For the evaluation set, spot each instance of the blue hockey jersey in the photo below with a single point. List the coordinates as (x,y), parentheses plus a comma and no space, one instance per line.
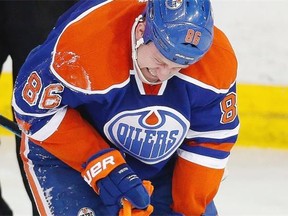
(78,93)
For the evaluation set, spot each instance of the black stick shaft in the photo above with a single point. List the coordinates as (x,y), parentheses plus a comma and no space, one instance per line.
(10,125)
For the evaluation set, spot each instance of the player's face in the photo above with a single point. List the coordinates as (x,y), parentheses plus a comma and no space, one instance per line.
(154,66)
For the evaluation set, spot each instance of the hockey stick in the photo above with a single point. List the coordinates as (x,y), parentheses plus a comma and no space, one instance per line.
(10,125)
(127,208)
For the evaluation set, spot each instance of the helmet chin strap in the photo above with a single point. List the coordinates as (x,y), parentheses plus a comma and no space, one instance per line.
(135,45)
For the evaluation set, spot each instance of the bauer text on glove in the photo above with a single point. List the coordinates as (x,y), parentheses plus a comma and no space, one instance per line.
(112,179)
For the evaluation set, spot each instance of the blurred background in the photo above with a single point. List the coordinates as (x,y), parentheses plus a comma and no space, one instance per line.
(258,168)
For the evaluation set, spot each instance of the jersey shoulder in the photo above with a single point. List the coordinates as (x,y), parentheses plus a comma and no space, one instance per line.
(93,52)
(218,67)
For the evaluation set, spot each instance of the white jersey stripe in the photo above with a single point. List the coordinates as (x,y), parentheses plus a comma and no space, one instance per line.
(141,87)
(219,134)
(38,115)
(203,160)
(50,127)
(203,85)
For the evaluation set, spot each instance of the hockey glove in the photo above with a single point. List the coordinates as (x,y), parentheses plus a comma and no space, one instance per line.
(112,179)
(129,210)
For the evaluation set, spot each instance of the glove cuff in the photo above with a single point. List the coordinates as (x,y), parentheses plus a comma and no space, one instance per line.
(101,166)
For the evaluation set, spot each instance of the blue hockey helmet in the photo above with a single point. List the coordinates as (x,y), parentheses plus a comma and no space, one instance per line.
(182,30)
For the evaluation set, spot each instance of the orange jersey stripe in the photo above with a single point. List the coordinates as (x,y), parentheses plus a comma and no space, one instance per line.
(194,187)
(75,141)
(30,177)
(151,89)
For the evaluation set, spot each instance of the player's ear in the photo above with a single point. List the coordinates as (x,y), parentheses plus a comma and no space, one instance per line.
(139,31)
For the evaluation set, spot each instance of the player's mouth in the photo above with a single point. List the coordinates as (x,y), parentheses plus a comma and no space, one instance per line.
(150,75)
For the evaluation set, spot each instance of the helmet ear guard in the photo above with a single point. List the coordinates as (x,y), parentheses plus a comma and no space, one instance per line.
(182,30)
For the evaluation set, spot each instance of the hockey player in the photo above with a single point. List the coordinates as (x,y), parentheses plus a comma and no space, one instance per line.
(109,102)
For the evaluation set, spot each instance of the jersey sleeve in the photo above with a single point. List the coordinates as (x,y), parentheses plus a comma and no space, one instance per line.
(69,70)
(46,112)
(46,108)
(203,156)
(214,127)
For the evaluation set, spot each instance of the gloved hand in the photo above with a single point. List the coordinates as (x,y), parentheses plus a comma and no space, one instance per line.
(112,179)
(129,210)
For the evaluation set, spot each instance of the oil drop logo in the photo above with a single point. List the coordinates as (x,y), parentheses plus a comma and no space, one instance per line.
(151,134)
